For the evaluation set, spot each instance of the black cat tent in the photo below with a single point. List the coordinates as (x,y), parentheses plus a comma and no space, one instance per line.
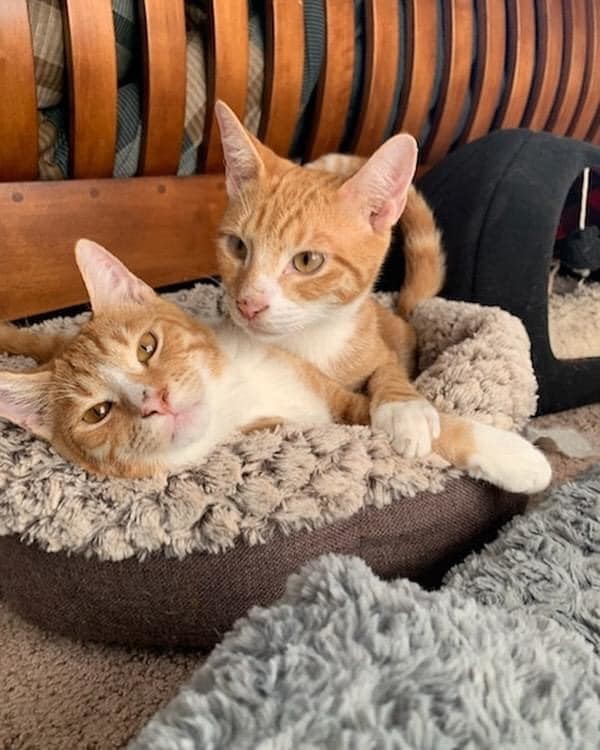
(499,201)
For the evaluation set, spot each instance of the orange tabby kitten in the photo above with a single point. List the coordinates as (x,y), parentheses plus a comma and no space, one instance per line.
(299,252)
(145,388)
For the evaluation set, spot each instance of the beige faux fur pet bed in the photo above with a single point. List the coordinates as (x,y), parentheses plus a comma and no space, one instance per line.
(176,560)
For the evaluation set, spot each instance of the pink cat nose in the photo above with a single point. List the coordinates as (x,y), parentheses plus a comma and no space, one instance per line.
(250,307)
(156,402)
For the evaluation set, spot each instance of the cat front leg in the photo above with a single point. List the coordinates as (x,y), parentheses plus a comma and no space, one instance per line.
(344,405)
(398,409)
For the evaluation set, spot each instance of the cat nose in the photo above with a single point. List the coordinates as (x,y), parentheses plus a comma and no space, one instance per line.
(250,307)
(156,403)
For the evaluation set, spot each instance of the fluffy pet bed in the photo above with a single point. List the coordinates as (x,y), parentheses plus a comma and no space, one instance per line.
(505,655)
(177,560)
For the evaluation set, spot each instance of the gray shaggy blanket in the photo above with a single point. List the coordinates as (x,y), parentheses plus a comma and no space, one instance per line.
(504,656)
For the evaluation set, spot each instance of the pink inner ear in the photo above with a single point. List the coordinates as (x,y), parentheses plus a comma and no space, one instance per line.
(242,161)
(108,281)
(21,400)
(380,187)
(389,213)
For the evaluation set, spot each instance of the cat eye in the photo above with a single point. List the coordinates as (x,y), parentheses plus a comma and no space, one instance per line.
(146,347)
(237,247)
(308,261)
(97,413)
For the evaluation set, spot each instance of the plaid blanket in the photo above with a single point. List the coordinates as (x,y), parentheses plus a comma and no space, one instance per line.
(48,46)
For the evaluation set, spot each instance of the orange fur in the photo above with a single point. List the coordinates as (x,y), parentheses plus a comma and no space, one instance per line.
(423,255)
(423,250)
(299,252)
(159,407)
(278,209)
(39,346)
(279,215)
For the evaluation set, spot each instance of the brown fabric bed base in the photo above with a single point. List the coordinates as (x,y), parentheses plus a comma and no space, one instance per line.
(193,601)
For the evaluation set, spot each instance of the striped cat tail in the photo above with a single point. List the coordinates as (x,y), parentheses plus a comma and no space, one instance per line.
(423,253)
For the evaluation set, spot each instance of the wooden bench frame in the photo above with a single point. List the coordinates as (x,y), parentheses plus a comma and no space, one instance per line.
(162,226)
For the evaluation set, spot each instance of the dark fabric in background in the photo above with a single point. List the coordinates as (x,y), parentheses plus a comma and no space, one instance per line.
(498,202)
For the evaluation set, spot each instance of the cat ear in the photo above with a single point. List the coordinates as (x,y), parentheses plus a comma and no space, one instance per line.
(108,282)
(24,400)
(246,158)
(380,187)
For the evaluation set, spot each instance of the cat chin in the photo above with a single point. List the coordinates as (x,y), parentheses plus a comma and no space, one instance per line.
(270,331)
(190,426)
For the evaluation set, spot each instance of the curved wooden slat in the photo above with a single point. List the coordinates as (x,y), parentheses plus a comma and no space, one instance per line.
(550,24)
(421,56)
(382,52)
(573,67)
(491,52)
(92,72)
(284,69)
(521,45)
(335,85)
(18,115)
(226,73)
(459,27)
(164,40)
(590,92)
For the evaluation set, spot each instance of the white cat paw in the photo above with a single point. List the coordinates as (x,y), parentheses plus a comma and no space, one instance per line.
(508,461)
(412,425)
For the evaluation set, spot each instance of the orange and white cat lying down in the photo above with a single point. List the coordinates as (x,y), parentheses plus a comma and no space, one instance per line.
(144,388)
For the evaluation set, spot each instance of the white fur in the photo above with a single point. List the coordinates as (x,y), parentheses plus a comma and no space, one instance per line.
(317,332)
(323,342)
(412,425)
(120,383)
(254,385)
(508,461)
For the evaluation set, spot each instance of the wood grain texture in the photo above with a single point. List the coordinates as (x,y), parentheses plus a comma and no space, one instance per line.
(161,227)
(459,25)
(335,84)
(164,61)
(421,57)
(226,73)
(573,66)
(489,74)
(284,70)
(590,91)
(550,39)
(382,52)
(92,73)
(18,115)
(520,63)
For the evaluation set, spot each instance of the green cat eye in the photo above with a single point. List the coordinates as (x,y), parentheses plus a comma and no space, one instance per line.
(146,347)
(308,261)
(237,247)
(98,412)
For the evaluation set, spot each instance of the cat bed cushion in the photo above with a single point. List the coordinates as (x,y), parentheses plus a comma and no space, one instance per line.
(498,201)
(174,561)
